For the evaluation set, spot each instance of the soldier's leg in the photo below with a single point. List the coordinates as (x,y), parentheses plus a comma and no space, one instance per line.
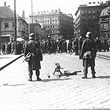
(30,75)
(37,74)
(85,70)
(93,71)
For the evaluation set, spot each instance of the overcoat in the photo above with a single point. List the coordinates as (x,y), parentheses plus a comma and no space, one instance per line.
(33,47)
(88,45)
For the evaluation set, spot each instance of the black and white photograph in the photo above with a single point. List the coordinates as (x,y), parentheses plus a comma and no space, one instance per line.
(54,54)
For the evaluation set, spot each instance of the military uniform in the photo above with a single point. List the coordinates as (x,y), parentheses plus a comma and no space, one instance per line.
(88,54)
(32,46)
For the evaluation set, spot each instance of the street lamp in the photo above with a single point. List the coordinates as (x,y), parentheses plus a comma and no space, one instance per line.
(15,20)
(32,10)
(15,30)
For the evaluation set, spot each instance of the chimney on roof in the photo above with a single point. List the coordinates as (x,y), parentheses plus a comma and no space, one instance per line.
(59,10)
(23,14)
(5,3)
(90,3)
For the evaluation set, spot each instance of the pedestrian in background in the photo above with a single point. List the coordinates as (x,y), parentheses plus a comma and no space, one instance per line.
(98,44)
(75,45)
(33,47)
(88,54)
(69,46)
(81,39)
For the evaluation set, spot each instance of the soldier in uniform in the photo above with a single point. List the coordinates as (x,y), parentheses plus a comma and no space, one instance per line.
(33,47)
(88,54)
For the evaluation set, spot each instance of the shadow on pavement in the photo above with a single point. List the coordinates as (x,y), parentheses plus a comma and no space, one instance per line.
(56,79)
(5,57)
(13,84)
(103,77)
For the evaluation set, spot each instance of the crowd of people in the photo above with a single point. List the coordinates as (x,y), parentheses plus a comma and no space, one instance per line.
(12,48)
(73,45)
(48,46)
(53,46)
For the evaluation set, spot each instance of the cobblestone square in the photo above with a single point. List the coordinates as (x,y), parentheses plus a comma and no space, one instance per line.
(70,92)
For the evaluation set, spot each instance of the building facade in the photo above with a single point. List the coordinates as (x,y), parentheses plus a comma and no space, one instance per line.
(105,24)
(7,25)
(56,23)
(40,33)
(88,18)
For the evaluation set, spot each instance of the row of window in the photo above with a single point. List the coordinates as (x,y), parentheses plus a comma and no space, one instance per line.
(104,19)
(92,11)
(47,18)
(90,17)
(52,27)
(55,31)
(8,25)
(51,22)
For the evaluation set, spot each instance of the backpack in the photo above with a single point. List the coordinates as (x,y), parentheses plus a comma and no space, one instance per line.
(37,51)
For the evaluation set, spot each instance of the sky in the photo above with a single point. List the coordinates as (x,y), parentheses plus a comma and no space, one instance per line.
(66,6)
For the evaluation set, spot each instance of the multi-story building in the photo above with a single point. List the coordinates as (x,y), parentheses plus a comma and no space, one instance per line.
(105,24)
(7,25)
(56,23)
(40,33)
(88,18)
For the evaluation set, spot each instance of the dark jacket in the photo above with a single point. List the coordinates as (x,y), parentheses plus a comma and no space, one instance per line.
(33,47)
(89,45)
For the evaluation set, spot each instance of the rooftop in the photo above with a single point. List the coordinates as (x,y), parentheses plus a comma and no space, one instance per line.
(6,12)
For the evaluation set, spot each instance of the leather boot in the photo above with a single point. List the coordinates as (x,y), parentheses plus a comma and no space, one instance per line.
(37,74)
(85,70)
(93,72)
(30,78)
(38,79)
(93,75)
(84,77)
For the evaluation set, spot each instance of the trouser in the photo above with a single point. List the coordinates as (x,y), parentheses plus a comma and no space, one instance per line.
(89,63)
(37,72)
(92,70)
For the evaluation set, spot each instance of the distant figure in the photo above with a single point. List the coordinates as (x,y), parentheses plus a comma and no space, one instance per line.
(70,46)
(98,44)
(80,43)
(33,47)
(75,46)
(88,54)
